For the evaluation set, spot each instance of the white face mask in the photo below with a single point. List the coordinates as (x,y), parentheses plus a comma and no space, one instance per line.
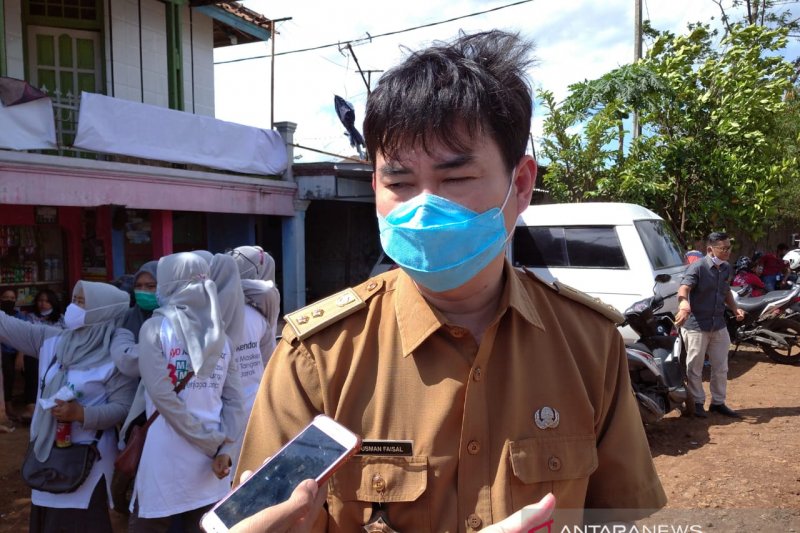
(48,312)
(716,260)
(75,317)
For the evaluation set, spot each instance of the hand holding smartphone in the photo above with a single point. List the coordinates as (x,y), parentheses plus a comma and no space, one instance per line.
(315,453)
(296,515)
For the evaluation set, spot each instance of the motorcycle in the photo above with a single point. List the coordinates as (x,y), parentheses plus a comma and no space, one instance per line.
(656,361)
(766,325)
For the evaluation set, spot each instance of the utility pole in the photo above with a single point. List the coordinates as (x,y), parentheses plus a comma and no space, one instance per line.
(637,54)
(272,73)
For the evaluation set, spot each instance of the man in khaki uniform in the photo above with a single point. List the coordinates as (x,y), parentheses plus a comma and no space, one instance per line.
(477,388)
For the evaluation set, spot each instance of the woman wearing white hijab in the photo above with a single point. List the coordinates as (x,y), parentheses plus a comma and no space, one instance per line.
(79,358)
(185,462)
(257,270)
(225,275)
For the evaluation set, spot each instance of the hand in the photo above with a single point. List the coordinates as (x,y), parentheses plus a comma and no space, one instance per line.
(295,515)
(19,362)
(739,314)
(221,465)
(681,317)
(70,411)
(526,518)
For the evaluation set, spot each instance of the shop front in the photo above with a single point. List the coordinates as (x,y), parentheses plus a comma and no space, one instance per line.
(33,251)
(65,219)
(52,247)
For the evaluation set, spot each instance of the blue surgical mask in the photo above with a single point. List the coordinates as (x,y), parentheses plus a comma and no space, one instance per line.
(440,243)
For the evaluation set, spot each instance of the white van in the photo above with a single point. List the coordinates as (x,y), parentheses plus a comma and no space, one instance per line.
(612,251)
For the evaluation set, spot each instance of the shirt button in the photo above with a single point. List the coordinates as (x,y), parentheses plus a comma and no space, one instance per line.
(474,521)
(473,447)
(554,463)
(378,483)
(371,286)
(477,374)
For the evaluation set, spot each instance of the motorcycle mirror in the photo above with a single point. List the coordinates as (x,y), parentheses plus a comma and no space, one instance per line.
(663,278)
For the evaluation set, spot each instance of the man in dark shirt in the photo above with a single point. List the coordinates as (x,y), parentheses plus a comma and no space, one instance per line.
(702,297)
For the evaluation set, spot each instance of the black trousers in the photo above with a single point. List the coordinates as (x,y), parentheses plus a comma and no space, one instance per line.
(30,374)
(188,522)
(95,519)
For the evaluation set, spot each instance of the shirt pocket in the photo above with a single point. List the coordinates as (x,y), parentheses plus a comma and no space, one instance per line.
(397,482)
(561,465)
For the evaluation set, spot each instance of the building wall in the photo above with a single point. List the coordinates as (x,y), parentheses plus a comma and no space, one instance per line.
(129,74)
(154,53)
(13,29)
(198,62)
(122,44)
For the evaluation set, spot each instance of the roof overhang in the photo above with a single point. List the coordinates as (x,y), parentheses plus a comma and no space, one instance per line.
(38,179)
(234,23)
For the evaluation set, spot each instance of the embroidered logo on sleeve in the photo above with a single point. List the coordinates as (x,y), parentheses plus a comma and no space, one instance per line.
(546,418)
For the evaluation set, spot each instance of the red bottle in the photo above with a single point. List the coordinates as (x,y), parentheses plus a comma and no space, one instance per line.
(63,434)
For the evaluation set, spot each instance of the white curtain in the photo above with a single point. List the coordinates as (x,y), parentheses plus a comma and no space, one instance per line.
(28,126)
(116,126)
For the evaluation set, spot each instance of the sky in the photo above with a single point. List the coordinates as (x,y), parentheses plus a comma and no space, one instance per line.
(575,40)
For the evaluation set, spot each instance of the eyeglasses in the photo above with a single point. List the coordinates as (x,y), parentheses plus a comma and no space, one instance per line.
(722,248)
(237,253)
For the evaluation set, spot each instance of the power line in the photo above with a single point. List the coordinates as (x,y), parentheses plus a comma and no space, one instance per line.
(369,37)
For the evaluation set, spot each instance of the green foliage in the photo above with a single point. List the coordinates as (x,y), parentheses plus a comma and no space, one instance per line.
(720,137)
(768,13)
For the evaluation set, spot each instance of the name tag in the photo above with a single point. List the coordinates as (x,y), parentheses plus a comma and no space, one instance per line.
(387,447)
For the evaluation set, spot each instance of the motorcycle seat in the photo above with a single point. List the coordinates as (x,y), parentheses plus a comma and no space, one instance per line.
(756,302)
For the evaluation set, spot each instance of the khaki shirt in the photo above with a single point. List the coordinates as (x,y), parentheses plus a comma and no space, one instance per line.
(396,370)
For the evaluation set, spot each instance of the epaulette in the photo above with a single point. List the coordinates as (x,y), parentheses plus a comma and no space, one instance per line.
(608,311)
(321,314)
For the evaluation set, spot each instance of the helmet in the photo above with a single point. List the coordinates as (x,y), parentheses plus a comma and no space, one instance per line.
(793,258)
(745,263)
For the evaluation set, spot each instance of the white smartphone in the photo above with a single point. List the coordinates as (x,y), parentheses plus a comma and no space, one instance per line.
(315,453)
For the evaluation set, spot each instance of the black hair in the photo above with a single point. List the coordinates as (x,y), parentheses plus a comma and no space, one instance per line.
(54,302)
(782,246)
(716,236)
(475,84)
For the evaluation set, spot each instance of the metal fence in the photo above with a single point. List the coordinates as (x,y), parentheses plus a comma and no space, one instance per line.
(66,108)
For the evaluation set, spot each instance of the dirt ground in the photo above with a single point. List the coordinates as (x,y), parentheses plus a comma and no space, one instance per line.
(719,474)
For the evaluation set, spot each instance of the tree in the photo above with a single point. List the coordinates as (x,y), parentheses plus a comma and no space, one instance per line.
(716,143)
(773,14)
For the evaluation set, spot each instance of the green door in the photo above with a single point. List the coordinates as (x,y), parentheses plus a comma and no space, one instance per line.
(64,61)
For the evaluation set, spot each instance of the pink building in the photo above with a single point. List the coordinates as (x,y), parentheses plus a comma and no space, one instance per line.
(123,161)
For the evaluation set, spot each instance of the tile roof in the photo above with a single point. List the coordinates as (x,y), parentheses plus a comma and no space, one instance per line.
(235,8)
